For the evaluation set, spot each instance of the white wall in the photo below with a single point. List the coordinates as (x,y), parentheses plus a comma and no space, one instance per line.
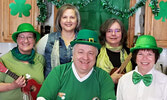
(50,20)
(5,47)
(162,60)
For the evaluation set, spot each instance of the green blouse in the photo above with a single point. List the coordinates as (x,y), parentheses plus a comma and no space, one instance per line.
(16,66)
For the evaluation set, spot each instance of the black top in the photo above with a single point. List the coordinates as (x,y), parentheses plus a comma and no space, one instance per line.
(115,57)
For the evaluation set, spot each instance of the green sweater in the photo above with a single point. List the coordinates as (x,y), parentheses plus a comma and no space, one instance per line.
(61,80)
(20,68)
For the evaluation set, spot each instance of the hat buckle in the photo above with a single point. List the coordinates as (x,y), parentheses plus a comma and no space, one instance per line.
(91,40)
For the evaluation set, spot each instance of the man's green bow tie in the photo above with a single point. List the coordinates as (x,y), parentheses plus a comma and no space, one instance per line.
(147,79)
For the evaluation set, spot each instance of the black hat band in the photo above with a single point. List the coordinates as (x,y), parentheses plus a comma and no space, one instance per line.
(90,40)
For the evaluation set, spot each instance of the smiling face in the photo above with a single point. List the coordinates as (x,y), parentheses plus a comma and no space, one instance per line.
(84,57)
(68,20)
(114,35)
(145,60)
(25,42)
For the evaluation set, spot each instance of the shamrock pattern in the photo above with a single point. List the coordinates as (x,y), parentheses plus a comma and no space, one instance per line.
(20,7)
(163,11)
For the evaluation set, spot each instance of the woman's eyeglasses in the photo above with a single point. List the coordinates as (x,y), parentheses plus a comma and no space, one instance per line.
(28,37)
(114,30)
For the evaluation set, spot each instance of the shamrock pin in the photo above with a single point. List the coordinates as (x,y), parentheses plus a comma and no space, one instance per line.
(20,7)
(163,11)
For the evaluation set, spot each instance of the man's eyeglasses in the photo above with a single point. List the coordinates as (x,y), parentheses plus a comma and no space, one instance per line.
(114,30)
(28,38)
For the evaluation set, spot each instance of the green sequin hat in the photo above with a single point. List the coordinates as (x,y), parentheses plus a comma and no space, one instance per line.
(88,37)
(146,42)
(25,27)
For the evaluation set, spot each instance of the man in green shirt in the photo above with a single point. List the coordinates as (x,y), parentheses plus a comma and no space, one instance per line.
(80,79)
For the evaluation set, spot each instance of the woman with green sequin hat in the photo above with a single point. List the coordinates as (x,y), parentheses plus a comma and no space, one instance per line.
(144,78)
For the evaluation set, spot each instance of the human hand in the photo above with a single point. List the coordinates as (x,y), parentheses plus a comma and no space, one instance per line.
(116,76)
(20,82)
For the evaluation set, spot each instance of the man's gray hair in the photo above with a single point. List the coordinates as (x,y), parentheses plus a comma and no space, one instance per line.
(77,44)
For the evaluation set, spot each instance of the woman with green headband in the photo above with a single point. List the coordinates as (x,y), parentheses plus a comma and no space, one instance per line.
(22,61)
(145,82)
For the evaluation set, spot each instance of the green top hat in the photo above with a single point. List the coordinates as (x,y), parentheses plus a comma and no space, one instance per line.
(146,42)
(25,27)
(88,37)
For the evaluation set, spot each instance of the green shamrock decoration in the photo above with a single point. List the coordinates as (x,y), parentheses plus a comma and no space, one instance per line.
(20,7)
(163,11)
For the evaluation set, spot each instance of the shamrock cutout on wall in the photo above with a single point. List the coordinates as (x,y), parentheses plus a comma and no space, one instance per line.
(163,11)
(20,7)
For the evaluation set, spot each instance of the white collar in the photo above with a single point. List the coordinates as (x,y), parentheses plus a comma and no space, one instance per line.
(150,72)
(77,76)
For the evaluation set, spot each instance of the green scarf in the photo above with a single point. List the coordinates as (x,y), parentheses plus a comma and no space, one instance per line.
(23,57)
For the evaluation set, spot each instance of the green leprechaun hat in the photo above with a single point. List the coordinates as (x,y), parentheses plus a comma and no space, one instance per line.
(146,42)
(88,37)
